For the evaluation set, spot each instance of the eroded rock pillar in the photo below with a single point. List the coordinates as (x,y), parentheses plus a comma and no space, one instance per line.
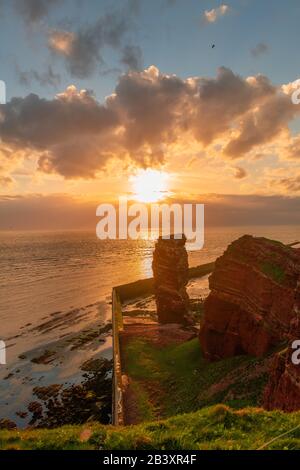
(170,271)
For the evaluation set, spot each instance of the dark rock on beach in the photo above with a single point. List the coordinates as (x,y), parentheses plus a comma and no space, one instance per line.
(76,404)
(7,424)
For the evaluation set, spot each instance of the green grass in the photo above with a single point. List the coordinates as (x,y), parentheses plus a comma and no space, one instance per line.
(146,410)
(217,427)
(275,272)
(184,382)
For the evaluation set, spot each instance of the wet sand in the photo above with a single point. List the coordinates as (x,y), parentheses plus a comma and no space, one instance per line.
(54,372)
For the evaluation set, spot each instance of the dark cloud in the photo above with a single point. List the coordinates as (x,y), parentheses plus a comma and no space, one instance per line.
(132,57)
(82,50)
(37,212)
(45,78)
(263,124)
(66,132)
(40,123)
(260,49)
(291,184)
(240,173)
(75,135)
(220,101)
(59,211)
(34,10)
(149,103)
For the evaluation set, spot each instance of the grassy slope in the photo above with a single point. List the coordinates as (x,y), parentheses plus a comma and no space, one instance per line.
(174,382)
(217,427)
(186,383)
(176,379)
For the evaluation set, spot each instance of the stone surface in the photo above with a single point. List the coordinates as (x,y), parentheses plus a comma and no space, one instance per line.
(7,424)
(254,299)
(283,389)
(170,271)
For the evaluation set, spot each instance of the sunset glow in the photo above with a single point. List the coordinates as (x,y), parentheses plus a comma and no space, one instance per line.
(150,185)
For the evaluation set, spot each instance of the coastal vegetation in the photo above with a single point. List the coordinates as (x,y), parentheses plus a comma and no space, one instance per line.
(213,428)
(177,379)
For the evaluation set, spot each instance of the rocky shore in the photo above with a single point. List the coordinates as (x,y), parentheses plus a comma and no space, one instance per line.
(62,381)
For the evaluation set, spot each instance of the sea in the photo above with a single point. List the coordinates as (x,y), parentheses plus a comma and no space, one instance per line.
(56,285)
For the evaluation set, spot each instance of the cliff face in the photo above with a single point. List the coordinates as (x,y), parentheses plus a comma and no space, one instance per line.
(253,305)
(254,299)
(170,271)
(283,389)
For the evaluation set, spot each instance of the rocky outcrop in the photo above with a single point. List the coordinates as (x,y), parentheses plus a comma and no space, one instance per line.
(283,389)
(170,271)
(254,299)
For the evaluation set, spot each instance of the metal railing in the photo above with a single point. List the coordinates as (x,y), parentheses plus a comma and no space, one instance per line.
(117,326)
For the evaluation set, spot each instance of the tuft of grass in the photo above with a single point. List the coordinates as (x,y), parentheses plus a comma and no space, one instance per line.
(145,408)
(211,428)
(275,272)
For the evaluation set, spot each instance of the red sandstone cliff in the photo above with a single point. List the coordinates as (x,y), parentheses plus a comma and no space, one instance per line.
(170,271)
(283,389)
(255,295)
(253,305)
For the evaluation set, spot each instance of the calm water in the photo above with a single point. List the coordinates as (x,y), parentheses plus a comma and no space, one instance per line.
(55,285)
(41,273)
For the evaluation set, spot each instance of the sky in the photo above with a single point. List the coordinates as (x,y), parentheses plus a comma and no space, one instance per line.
(101,92)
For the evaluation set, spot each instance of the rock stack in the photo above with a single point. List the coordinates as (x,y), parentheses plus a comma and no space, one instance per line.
(170,271)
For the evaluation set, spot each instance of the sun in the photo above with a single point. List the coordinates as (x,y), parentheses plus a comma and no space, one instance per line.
(149,185)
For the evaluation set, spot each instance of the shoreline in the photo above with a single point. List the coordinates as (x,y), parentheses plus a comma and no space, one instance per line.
(54,371)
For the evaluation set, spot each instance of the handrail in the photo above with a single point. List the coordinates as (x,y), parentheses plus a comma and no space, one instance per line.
(117,326)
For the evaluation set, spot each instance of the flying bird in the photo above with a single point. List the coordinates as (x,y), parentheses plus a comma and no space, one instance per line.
(213,46)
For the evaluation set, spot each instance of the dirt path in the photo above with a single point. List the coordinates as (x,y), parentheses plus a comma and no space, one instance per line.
(159,336)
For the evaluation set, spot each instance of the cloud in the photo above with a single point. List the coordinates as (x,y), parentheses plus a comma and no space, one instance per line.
(67,133)
(34,10)
(132,57)
(291,151)
(61,211)
(262,124)
(148,113)
(45,78)
(240,173)
(82,50)
(211,16)
(5,181)
(260,49)
(290,184)
(222,100)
